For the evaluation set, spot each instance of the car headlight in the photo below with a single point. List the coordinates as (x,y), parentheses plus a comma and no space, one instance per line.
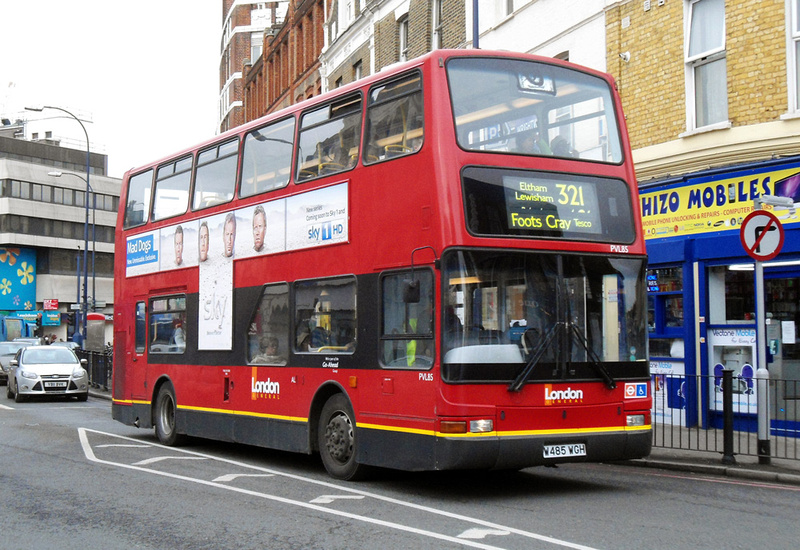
(28,374)
(79,372)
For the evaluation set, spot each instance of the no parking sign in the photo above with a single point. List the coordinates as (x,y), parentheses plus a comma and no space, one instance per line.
(761,235)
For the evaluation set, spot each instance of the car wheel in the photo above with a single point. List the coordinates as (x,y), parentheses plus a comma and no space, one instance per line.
(83,396)
(18,398)
(337,439)
(165,414)
(9,393)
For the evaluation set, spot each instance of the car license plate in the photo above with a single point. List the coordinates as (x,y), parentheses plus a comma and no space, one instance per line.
(55,384)
(570,449)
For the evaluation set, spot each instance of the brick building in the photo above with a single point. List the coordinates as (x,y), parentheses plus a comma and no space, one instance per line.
(748,97)
(710,94)
(322,44)
(363,37)
(243,26)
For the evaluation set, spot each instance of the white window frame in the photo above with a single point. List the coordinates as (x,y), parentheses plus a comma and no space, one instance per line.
(402,38)
(692,63)
(793,57)
(436,25)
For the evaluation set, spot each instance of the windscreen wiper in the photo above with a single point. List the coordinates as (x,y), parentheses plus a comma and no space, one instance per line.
(537,353)
(594,360)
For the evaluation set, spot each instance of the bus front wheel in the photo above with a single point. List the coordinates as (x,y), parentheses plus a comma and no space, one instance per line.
(337,439)
(165,413)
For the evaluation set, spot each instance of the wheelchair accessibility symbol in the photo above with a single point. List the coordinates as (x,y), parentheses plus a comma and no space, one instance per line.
(636,391)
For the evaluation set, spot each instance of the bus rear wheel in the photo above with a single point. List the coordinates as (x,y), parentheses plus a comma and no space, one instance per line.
(165,413)
(337,439)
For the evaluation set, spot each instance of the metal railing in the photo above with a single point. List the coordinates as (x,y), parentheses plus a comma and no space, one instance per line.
(691,412)
(99,366)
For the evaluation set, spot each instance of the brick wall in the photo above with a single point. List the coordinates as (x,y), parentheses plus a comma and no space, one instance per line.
(653,83)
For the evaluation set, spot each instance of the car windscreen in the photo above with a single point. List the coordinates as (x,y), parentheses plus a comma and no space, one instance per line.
(9,349)
(49,356)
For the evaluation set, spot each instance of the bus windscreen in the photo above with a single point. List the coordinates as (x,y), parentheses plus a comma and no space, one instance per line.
(528,108)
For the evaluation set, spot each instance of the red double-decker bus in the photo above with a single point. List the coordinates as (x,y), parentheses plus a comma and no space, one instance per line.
(440,266)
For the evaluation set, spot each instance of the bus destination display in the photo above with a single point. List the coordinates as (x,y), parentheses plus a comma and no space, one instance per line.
(540,205)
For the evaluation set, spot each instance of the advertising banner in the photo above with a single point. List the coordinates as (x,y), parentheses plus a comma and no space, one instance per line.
(720,203)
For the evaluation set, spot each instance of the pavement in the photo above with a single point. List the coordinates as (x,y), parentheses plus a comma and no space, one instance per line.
(745,467)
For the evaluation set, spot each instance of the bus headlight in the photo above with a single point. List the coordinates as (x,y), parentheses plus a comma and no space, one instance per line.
(481,426)
(635,420)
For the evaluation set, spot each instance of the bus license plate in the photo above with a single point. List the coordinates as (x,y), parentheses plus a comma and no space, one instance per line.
(55,384)
(571,449)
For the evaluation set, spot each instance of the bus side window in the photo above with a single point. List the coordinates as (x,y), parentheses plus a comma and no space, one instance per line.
(395,119)
(138,197)
(172,188)
(329,138)
(325,315)
(167,317)
(267,158)
(268,337)
(140,336)
(407,326)
(215,178)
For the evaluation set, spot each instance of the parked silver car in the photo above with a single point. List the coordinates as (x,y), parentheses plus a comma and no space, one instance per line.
(7,352)
(47,370)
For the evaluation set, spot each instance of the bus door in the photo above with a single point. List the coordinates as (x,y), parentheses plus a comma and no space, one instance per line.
(136,350)
(407,345)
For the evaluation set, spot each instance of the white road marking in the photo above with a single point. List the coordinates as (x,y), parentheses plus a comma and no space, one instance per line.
(153,460)
(231,477)
(89,453)
(476,533)
(327,499)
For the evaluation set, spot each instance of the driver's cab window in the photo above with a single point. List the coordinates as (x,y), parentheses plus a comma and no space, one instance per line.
(407,319)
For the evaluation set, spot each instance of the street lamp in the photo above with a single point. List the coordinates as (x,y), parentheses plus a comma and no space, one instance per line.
(84,306)
(57,174)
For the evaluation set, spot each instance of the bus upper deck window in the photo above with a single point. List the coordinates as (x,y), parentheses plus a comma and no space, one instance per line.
(139,191)
(215,179)
(267,158)
(329,139)
(395,119)
(172,188)
(533,108)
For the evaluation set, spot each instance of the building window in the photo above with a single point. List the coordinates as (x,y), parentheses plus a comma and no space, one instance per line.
(402,38)
(509,7)
(436,40)
(357,74)
(256,45)
(793,13)
(706,70)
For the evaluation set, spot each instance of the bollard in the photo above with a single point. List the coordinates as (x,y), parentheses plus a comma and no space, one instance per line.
(762,394)
(727,415)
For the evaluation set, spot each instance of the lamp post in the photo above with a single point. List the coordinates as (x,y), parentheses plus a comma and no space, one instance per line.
(84,306)
(57,174)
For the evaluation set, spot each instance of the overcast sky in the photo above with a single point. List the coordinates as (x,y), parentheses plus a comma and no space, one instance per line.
(147,71)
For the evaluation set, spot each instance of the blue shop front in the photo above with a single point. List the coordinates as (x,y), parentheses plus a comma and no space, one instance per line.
(702,299)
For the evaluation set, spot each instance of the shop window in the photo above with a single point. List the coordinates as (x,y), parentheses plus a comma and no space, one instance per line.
(738,288)
(665,300)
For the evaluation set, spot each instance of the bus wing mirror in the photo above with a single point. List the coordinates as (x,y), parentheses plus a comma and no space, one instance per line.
(411,292)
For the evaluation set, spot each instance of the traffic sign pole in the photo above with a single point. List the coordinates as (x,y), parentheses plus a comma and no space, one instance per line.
(762,238)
